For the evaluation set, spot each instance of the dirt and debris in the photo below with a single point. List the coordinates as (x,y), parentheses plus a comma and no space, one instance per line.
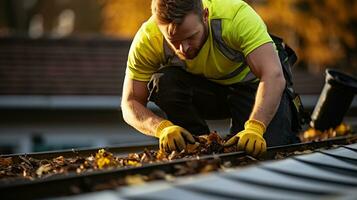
(187,168)
(31,168)
(312,134)
(283,155)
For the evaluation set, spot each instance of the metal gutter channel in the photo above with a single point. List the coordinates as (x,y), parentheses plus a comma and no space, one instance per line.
(321,175)
(342,175)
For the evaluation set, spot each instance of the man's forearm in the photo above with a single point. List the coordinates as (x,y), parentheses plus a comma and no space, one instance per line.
(140,117)
(268,99)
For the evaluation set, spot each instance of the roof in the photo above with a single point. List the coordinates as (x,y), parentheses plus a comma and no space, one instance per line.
(70,66)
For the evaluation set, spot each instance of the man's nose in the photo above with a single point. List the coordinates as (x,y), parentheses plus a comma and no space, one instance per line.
(184,46)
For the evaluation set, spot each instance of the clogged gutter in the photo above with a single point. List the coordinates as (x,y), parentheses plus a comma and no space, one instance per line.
(30,168)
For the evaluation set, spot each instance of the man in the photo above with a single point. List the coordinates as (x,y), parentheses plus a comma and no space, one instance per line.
(207,59)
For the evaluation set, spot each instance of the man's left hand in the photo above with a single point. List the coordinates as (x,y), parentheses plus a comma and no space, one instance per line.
(250,139)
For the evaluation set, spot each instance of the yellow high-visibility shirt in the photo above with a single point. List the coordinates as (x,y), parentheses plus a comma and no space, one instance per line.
(242,30)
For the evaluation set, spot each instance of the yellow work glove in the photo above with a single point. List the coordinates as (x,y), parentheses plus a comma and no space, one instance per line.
(250,139)
(172,137)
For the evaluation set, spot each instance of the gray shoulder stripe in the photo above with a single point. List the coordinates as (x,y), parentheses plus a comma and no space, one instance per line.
(232,54)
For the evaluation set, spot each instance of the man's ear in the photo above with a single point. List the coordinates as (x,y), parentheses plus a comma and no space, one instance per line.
(205,15)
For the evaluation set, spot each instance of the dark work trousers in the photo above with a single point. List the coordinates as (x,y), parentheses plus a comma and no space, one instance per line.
(188,100)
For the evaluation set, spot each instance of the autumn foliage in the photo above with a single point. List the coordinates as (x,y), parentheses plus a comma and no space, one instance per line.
(323,32)
(124,17)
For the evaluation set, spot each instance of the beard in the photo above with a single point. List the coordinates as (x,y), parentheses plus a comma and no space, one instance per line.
(192,52)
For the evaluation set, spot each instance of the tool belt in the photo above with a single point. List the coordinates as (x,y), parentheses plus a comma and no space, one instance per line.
(288,58)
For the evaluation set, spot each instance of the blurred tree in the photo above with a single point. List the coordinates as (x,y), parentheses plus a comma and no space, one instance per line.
(123,18)
(4,21)
(57,16)
(322,31)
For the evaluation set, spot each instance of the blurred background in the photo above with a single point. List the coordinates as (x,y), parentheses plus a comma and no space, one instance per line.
(62,65)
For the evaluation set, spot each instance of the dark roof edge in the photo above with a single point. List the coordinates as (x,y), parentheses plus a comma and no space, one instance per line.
(94,102)
(15,102)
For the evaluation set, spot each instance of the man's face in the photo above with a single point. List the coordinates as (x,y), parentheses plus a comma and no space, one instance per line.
(187,38)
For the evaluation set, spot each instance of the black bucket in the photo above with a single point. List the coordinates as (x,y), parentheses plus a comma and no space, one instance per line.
(335,99)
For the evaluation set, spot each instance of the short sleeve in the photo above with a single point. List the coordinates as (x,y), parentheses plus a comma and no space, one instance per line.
(144,55)
(246,31)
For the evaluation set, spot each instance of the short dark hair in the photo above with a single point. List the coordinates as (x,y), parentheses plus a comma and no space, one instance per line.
(173,11)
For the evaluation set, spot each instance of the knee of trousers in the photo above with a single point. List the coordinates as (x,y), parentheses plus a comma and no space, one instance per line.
(166,84)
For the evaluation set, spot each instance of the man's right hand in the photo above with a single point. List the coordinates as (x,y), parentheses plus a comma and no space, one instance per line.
(172,137)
